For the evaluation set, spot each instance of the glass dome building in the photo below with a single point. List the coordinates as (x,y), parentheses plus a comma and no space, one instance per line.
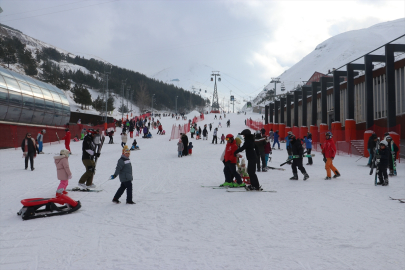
(26,100)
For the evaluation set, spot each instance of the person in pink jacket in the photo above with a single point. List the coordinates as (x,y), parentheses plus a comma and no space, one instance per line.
(63,171)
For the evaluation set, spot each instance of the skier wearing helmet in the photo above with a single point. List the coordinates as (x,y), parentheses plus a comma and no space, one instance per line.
(329,150)
(229,160)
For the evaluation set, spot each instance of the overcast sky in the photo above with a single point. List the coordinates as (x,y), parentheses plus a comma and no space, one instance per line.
(250,40)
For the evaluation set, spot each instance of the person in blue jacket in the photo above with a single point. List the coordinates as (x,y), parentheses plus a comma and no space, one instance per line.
(308,145)
(276,136)
(287,144)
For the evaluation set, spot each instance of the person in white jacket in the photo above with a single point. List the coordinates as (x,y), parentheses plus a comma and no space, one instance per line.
(124,139)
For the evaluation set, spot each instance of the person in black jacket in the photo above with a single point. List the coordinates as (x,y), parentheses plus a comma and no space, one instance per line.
(88,148)
(251,155)
(29,148)
(297,150)
(384,154)
(393,154)
(184,139)
(371,144)
(260,143)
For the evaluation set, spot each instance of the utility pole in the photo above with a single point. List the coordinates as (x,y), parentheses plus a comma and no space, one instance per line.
(215,103)
(176,103)
(127,97)
(106,73)
(153,96)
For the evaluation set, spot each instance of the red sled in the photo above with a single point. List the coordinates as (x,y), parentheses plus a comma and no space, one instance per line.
(245,179)
(31,207)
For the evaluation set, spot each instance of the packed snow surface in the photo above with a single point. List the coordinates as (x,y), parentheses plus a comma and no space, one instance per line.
(345,223)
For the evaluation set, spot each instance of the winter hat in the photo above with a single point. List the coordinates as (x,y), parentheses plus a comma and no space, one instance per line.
(384,142)
(238,141)
(245,132)
(64,152)
(126,150)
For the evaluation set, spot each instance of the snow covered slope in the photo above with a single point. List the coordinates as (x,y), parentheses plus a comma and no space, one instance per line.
(341,49)
(345,223)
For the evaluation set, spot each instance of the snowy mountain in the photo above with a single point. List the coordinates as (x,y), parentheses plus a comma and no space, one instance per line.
(339,50)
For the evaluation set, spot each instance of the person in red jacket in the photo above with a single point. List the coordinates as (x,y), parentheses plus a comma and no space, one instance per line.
(67,139)
(229,160)
(329,151)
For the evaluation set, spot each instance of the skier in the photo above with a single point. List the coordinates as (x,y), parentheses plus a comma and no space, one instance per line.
(219,124)
(110,134)
(222,139)
(271,135)
(63,171)
(329,150)
(229,160)
(308,145)
(260,144)
(83,134)
(131,130)
(40,139)
(385,157)
(210,127)
(124,171)
(228,123)
(192,130)
(67,139)
(29,148)
(214,137)
(88,148)
(205,133)
(276,136)
(251,153)
(393,148)
(296,149)
(215,117)
(190,148)
(371,144)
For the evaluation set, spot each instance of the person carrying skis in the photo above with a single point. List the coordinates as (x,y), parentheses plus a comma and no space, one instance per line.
(329,150)
(88,148)
(393,148)
(29,148)
(67,139)
(229,160)
(63,171)
(276,136)
(297,150)
(384,154)
(214,137)
(371,144)
(251,155)
(124,171)
(308,145)
(260,144)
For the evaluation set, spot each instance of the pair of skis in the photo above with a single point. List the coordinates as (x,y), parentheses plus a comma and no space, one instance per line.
(290,158)
(376,161)
(232,189)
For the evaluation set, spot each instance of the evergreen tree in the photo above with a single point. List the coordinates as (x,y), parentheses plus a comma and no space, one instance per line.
(81,95)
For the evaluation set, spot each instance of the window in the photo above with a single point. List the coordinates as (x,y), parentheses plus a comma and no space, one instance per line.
(25,88)
(3,95)
(13,114)
(12,84)
(37,117)
(39,104)
(36,91)
(15,98)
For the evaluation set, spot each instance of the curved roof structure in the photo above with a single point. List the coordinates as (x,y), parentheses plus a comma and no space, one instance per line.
(27,100)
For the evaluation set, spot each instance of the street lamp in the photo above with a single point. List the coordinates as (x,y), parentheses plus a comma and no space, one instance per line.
(153,96)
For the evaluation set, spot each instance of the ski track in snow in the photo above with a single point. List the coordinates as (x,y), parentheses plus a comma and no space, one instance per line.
(345,223)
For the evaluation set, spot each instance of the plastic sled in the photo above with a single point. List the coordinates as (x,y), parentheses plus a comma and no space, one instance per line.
(31,207)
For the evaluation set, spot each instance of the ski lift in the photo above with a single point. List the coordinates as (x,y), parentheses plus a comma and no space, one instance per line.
(282,87)
(212,79)
(219,79)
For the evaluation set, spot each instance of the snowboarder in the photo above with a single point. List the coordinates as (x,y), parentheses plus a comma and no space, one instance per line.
(88,148)
(63,171)
(251,152)
(385,157)
(124,171)
(229,160)
(296,149)
(329,150)
(29,149)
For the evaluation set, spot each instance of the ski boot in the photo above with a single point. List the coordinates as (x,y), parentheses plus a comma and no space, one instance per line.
(337,174)
(391,173)
(236,185)
(385,183)
(295,177)
(328,178)
(264,170)
(252,188)
(306,176)
(226,184)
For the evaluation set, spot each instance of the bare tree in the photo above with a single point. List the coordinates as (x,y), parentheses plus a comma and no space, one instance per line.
(142,96)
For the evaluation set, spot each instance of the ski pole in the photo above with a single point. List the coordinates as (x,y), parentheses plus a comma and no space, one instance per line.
(359,158)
